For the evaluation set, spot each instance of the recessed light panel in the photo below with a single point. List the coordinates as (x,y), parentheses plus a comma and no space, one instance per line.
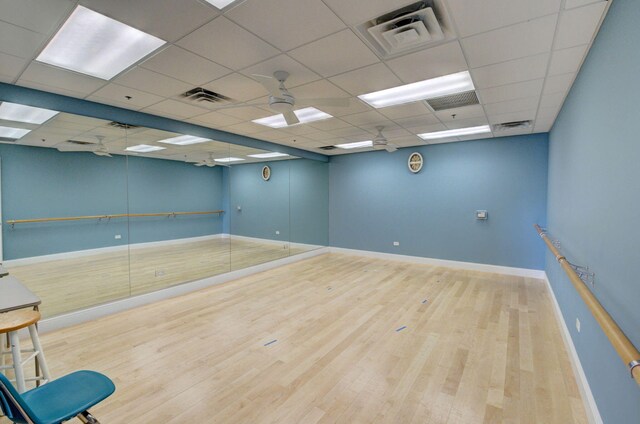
(306,115)
(93,44)
(230,159)
(356,145)
(421,90)
(13,133)
(144,148)
(220,4)
(268,155)
(184,140)
(455,133)
(21,113)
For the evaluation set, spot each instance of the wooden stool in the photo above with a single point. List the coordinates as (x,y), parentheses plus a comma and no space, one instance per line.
(10,324)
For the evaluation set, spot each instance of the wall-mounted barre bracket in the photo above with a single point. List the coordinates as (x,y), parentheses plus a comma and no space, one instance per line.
(584,273)
(632,366)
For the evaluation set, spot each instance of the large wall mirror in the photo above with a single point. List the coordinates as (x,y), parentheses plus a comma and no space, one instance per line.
(95,210)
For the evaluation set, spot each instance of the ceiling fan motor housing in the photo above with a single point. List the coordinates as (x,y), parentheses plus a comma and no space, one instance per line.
(282,104)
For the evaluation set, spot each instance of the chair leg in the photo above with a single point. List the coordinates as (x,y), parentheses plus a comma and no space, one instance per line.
(87,418)
(35,340)
(17,361)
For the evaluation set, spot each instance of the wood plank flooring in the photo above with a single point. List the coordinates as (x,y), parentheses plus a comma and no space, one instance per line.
(477,348)
(70,284)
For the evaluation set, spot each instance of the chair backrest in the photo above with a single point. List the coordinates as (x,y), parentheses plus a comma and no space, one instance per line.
(12,404)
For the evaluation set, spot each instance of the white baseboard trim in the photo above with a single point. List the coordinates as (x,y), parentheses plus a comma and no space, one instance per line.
(109,249)
(94,312)
(497,269)
(593,415)
(272,241)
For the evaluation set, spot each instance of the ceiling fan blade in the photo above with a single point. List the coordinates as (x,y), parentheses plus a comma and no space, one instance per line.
(335,102)
(199,164)
(87,148)
(211,165)
(291,118)
(105,154)
(271,84)
(391,148)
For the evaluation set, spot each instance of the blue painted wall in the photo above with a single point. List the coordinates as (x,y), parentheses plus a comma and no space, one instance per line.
(593,204)
(40,182)
(375,200)
(294,201)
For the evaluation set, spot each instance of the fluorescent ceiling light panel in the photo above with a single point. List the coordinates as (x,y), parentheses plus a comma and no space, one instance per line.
(306,115)
(93,44)
(13,133)
(220,4)
(421,90)
(356,145)
(231,159)
(144,148)
(22,113)
(268,155)
(184,140)
(455,133)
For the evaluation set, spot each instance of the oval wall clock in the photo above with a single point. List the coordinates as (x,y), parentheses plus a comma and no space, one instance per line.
(266,173)
(415,162)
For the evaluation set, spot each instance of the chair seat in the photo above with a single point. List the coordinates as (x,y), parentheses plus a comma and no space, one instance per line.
(67,396)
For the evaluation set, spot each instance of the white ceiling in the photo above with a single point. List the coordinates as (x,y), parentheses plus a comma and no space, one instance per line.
(523,56)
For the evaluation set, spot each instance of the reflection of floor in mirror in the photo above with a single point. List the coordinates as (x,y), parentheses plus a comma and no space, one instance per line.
(70,284)
(483,348)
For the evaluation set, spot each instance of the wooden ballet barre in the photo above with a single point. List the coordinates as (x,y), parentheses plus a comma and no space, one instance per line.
(113,216)
(621,343)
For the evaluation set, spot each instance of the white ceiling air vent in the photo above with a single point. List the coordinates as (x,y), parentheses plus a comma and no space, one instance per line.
(453,101)
(412,27)
(515,125)
(200,94)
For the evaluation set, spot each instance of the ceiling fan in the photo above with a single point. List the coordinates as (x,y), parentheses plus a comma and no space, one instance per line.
(98,148)
(380,142)
(282,101)
(210,161)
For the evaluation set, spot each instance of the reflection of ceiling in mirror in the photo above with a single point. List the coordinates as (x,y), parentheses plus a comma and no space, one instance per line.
(67,133)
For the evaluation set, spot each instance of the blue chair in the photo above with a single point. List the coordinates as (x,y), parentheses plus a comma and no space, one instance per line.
(57,401)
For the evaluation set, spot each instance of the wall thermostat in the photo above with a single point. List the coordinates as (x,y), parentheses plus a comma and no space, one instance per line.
(482,215)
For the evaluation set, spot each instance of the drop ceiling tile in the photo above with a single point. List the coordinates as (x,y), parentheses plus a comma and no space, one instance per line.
(480,136)
(59,80)
(516,105)
(185,66)
(300,129)
(111,93)
(175,108)
(245,128)
(511,92)
(19,42)
(152,82)
(298,74)
(551,101)
(405,111)
(417,121)
(371,117)
(273,135)
(366,80)
(356,106)
(408,141)
(329,124)
(335,54)
(570,4)
(10,67)
(319,136)
(548,114)
(473,17)
(166,19)
(567,60)
(513,42)
(358,11)
(226,43)
(426,128)
(465,112)
(247,113)
(578,26)
(351,133)
(50,13)
(513,116)
(466,123)
(543,125)
(558,83)
(429,63)
(238,87)
(290,23)
(525,69)
(216,120)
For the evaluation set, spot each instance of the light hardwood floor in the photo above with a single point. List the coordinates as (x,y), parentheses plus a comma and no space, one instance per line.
(70,284)
(484,348)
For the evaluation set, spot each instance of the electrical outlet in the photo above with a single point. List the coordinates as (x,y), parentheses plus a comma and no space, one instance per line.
(118,236)
(396,243)
(578,325)
(277,232)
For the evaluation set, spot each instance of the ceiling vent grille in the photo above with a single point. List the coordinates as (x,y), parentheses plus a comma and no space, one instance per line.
(327,148)
(123,125)
(468,98)
(412,27)
(514,125)
(200,94)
